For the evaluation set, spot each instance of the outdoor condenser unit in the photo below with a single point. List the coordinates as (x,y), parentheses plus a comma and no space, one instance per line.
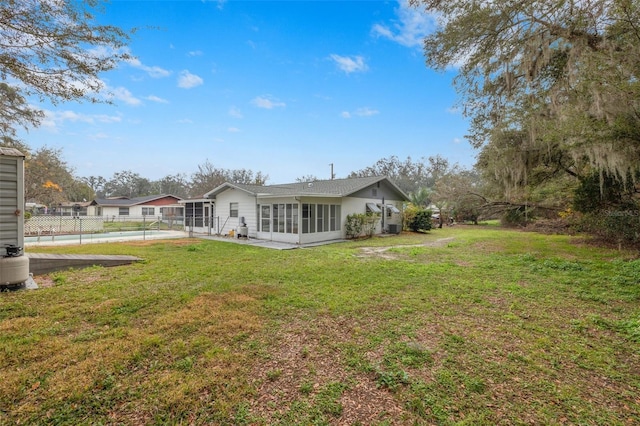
(14,266)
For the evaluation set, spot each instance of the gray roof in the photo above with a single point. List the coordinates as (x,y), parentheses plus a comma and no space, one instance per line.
(127,202)
(319,188)
(10,152)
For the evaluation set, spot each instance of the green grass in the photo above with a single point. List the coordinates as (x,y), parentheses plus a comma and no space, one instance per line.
(464,325)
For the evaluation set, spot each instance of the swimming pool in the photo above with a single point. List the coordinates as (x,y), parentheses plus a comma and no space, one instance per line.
(100,237)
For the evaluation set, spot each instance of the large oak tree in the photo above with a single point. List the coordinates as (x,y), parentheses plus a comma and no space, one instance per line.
(54,50)
(563,76)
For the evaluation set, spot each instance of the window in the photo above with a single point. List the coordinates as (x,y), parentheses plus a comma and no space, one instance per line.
(123,211)
(233,209)
(148,211)
(305,218)
(325,222)
(265,217)
(391,209)
(280,218)
(285,218)
(289,218)
(294,219)
(372,208)
(320,218)
(334,218)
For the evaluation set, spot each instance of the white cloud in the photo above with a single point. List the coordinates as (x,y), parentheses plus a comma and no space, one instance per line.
(188,80)
(235,112)
(360,112)
(53,119)
(349,64)
(185,121)
(267,102)
(157,99)
(122,94)
(102,118)
(195,53)
(98,136)
(366,112)
(233,130)
(154,72)
(409,29)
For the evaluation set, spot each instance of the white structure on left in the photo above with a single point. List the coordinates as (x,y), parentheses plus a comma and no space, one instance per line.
(14,265)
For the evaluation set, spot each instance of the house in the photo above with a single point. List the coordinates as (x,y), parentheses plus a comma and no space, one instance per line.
(164,206)
(299,213)
(71,208)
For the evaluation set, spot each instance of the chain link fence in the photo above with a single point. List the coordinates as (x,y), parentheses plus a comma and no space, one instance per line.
(47,227)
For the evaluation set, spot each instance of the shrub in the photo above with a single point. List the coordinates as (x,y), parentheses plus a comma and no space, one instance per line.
(417,219)
(359,223)
(370,222)
(614,226)
(516,216)
(353,227)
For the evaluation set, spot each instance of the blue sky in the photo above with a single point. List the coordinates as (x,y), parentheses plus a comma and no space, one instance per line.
(284,88)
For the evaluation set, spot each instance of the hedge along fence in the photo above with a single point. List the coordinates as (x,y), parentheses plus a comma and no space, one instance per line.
(51,225)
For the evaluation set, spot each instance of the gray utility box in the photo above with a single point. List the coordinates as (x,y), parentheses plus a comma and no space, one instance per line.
(14,266)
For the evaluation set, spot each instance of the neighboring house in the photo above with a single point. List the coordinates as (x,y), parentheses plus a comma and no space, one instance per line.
(300,213)
(165,206)
(70,208)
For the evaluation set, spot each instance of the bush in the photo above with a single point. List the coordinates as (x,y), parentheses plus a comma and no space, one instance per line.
(353,227)
(359,223)
(370,222)
(516,216)
(613,226)
(417,219)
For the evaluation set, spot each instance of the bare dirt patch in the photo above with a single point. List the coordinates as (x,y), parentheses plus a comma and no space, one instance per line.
(383,252)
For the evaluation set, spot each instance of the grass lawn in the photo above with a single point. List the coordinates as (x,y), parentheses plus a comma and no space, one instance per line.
(464,325)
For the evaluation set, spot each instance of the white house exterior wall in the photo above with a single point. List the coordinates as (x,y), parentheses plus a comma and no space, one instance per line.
(352,205)
(246,208)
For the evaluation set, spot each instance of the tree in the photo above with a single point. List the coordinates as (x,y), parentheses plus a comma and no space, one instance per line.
(421,197)
(462,195)
(307,178)
(97,184)
(14,110)
(47,176)
(209,177)
(172,184)
(52,50)
(409,175)
(564,75)
(79,191)
(128,184)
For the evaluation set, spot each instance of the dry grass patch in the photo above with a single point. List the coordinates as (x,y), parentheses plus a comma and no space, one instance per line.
(307,377)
